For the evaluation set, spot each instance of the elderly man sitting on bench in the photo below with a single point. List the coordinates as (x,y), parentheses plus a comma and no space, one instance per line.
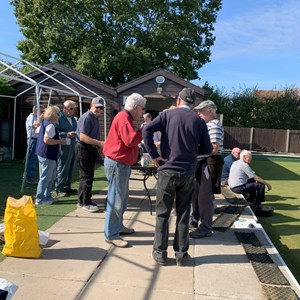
(243,180)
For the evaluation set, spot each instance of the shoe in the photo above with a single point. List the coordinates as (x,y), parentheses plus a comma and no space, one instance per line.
(52,199)
(61,194)
(181,261)
(125,230)
(79,205)
(44,202)
(198,234)
(91,208)
(118,242)
(193,227)
(160,257)
(70,191)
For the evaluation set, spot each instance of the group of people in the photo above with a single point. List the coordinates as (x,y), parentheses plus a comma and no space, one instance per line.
(189,166)
(51,143)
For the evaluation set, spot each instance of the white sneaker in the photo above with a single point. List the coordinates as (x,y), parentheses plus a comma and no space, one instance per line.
(91,208)
(118,242)
(44,202)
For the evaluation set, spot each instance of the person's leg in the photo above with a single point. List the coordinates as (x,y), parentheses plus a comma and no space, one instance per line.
(195,216)
(46,177)
(52,167)
(164,200)
(255,189)
(206,201)
(118,188)
(184,192)
(32,160)
(71,171)
(86,158)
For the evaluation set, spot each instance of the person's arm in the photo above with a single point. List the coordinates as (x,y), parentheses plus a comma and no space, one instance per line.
(49,134)
(215,148)
(259,179)
(50,141)
(90,141)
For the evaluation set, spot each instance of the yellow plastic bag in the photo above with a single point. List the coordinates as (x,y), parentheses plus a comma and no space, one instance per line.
(21,231)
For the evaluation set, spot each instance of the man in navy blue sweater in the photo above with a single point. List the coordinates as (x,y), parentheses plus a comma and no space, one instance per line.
(183,135)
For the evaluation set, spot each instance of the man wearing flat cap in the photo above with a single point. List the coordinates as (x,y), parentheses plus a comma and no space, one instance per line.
(182,134)
(208,175)
(87,146)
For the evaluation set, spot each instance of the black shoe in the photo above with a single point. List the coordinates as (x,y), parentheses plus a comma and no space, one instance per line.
(181,261)
(198,234)
(70,191)
(160,257)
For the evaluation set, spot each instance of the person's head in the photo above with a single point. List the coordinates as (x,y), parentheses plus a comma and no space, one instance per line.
(97,106)
(235,152)
(35,109)
(135,104)
(147,117)
(246,156)
(207,110)
(187,96)
(69,107)
(52,113)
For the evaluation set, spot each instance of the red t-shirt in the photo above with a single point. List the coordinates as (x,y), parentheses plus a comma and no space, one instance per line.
(123,138)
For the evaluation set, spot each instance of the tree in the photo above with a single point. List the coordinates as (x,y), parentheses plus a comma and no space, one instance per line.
(116,41)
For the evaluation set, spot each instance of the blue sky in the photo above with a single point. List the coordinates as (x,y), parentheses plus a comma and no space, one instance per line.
(257,44)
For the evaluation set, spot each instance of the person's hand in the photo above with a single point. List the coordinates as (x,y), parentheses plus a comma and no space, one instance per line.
(63,142)
(36,124)
(71,134)
(158,160)
(269,186)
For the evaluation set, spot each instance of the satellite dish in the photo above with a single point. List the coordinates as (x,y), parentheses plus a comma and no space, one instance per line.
(160,79)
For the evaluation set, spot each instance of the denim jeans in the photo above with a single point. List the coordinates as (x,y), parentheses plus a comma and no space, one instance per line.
(47,177)
(32,161)
(171,183)
(118,176)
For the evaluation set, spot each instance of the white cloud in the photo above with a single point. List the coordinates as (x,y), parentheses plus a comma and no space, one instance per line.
(270,29)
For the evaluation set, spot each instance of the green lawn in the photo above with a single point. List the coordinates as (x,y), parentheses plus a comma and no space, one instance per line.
(11,173)
(283,227)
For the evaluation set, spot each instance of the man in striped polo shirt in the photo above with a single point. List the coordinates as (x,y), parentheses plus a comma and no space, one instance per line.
(208,175)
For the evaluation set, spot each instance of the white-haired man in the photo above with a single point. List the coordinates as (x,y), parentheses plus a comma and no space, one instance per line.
(243,180)
(121,151)
(66,126)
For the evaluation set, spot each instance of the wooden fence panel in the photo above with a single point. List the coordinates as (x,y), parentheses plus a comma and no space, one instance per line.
(269,140)
(294,144)
(237,137)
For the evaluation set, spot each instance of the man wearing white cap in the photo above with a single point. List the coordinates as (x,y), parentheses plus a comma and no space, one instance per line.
(87,146)
(208,175)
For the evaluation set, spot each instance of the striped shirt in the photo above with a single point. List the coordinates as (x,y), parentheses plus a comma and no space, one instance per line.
(216,133)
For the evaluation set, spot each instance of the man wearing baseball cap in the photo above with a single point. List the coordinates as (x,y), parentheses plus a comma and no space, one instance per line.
(87,146)
(183,134)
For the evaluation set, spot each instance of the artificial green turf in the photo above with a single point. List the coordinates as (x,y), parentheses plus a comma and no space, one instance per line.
(11,173)
(283,227)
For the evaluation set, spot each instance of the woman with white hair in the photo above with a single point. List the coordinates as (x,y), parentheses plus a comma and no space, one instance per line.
(47,151)
(243,180)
